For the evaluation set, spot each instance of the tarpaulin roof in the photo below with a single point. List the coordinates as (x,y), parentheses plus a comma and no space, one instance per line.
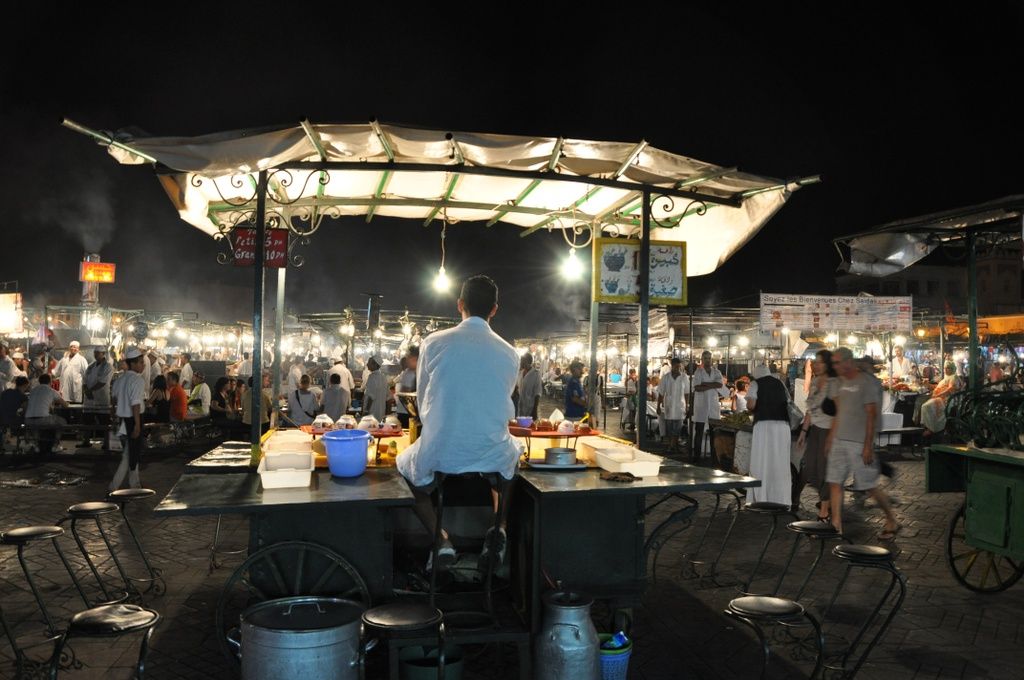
(335,170)
(895,246)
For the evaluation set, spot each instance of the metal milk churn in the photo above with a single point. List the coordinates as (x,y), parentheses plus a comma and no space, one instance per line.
(567,646)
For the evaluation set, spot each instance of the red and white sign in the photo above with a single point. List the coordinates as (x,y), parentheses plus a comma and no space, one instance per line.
(275,244)
(97,272)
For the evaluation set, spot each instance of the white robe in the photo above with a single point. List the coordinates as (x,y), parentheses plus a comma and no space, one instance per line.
(71,373)
(769,462)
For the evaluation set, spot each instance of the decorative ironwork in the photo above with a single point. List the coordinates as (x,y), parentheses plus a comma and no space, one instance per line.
(295,259)
(237,180)
(576,230)
(667,204)
(992,416)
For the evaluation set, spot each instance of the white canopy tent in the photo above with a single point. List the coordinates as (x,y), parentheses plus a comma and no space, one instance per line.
(295,176)
(531,182)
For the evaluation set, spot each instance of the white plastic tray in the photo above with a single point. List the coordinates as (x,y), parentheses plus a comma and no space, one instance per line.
(643,464)
(286,470)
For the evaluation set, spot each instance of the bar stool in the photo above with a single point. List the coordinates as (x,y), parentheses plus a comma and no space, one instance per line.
(679,519)
(815,531)
(773,510)
(757,611)
(736,499)
(215,547)
(397,620)
(21,538)
(123,497)
(109,621)
(867,557)
(95,510)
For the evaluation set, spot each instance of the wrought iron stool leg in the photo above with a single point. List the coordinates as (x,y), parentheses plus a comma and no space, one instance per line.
(50,630)
(128,585)
(440,651)
(88,559)
(785,569)
(819,641)
(811,569)
(435,548)
(154,574)
(71,573)
(766,650)
(835,593)
(704,534)
(760,557)
(896,578)
(738,503)
(58,649)
(140,668)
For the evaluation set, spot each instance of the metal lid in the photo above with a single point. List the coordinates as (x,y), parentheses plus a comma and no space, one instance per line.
(565,599)
(302,613)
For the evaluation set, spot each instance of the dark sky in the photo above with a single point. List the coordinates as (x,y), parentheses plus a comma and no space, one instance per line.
(902,112)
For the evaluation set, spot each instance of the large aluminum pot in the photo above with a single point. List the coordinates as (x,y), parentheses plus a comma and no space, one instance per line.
(567,647)
(301,637)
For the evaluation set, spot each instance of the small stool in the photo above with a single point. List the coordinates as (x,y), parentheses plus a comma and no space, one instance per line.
(109,621)
(736,498)
(95,510)
(867,557)
(814,530)
(680,517)
(773,510)
(20,538)
(756,611)
(407,618)
(123,497)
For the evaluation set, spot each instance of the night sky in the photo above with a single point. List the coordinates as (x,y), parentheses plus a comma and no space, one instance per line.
(901,113)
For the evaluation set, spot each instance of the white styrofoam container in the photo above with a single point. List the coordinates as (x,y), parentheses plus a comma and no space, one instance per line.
(286,470)
(642,464)
(587,447)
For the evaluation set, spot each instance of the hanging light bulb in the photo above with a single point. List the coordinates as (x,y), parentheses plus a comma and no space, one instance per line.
(441,282)
(572,267)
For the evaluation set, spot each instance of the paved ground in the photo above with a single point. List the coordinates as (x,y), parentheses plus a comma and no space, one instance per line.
(943,630)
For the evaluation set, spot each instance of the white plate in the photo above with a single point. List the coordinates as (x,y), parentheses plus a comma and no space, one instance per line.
(564,468)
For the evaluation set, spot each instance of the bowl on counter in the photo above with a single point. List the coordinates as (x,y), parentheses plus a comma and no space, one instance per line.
(557,455)
(524,421)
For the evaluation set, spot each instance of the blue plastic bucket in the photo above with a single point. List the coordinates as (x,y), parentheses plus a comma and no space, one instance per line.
(346,451)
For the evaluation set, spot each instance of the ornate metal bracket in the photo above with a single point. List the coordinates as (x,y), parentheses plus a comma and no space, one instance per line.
(666,204)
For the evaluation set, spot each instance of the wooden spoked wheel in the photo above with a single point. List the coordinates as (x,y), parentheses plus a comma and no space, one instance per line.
(977,569)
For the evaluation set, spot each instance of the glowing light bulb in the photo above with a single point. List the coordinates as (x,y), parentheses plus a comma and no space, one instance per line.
(441,281)
(711,342)
(785,330)
(900,340)
(851,339)
(572,267)
(920,332)
(743,341)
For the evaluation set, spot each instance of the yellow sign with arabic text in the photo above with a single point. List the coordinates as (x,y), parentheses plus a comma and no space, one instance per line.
(616,271)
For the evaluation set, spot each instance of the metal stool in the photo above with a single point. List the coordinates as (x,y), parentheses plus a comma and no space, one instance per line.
(867,557)
(395,621)
(123,497)
(109,621)
(756,611)
(814,530)
(95,510)
(679,520)
(215,547)
(774,510)
(736,498)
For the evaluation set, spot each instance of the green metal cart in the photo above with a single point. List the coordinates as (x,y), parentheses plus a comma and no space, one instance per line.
(985,543)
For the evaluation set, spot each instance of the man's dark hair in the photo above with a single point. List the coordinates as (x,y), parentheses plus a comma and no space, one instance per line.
(676,361)
(188,356)
(245,355)
(44,379)
(175,375)
(414,351)
(20,381)
(335,379)
(479,295)
(528,359)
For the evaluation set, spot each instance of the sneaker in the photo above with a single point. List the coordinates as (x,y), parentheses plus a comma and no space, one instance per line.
(499,543)
(445,556)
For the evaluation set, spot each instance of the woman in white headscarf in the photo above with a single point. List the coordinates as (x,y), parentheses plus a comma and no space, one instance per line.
(933,411)
(768,400)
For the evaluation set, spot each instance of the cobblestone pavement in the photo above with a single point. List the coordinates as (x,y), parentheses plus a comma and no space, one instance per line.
(942,631)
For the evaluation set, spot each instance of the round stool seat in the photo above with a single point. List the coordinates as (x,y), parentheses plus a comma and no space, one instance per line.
(403,616)
(862,553)
(91,509)
(767,508)
(23,535)
(763,607)
(123,495)
(813,527)
(112,619)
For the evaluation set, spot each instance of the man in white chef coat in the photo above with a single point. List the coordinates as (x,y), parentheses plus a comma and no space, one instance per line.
(463,382)
(375,391)
(96,387)
(185,372)
(71,373)
(901,365)
(347,381)
(707,380)
(672,389)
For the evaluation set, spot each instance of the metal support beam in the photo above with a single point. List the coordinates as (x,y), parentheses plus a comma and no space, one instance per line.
(259,279)
(972,309)
(314,138)
(447,195)
(547,220)
(278,331)
(594,320)
(104,139)
(645,313)
(637,150)
(802,182)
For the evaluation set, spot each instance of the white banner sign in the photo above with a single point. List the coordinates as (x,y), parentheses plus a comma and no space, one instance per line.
(828,313)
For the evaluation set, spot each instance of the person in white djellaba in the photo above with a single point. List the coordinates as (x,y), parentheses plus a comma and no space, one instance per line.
(71,373)
(768,400)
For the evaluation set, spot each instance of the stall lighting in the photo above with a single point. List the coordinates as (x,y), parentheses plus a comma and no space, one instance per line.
(711,342)
(131,327)
(232,337)
(635,352)
(573,348)
(851,339)
(521,351)
(612,352)
(761,352)
(873,348)
(920,332)
(170,323)
(95,324)
(407,330)
(117,319)
(441,282)
(572,267)
(832,338)
(900,340)
(742,341)
(378,334)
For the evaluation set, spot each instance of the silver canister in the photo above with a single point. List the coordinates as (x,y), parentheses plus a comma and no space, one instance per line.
(567,647)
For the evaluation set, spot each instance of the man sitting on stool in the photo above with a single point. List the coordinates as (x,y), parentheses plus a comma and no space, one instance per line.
(464,379)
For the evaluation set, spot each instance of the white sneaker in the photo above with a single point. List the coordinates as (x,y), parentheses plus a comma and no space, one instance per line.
(445,556)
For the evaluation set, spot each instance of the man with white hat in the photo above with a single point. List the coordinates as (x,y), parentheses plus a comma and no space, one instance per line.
(7,368)
(71,373)
(375,391)
(130,395)
(20,366)
(97,391)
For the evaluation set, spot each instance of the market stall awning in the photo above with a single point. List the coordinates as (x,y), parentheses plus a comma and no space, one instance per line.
(895,246)
(367,169)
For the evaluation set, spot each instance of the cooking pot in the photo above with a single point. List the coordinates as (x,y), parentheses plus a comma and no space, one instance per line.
(557,455)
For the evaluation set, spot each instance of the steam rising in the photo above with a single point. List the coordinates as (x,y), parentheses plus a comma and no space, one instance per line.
(83,209)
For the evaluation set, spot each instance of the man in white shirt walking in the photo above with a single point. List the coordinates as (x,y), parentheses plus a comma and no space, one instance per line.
(672,391)
(185,374)
(706,382)
(130,395)
(463,382)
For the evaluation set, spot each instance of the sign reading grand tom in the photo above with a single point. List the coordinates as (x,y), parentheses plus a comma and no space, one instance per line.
(836,313)
(616,271)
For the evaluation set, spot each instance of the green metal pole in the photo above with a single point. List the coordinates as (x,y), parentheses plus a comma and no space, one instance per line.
(279,330)
(645,314)
(972,310)
(259,279)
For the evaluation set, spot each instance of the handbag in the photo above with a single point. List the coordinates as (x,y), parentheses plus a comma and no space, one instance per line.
(828,406)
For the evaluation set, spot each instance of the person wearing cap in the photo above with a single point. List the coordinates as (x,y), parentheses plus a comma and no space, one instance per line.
(375,391)
(97,392)
(347,381)
(406,383)
(130,395)
(672,389)
(768,401)
(464,378)
(7,368)
(71,373)
(21,366)
(199,399)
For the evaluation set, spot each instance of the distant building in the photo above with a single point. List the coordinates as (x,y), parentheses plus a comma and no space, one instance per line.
(1000,283)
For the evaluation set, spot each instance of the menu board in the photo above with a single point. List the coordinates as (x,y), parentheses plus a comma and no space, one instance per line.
(616,271)
(275,247)
(836,313)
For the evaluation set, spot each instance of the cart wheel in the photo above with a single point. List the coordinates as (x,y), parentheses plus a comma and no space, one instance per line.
(979,570)
(286,569)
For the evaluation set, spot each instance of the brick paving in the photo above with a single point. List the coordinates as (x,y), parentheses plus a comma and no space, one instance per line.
(943,630)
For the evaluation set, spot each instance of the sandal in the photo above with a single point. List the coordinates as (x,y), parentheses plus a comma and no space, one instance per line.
(889,534)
